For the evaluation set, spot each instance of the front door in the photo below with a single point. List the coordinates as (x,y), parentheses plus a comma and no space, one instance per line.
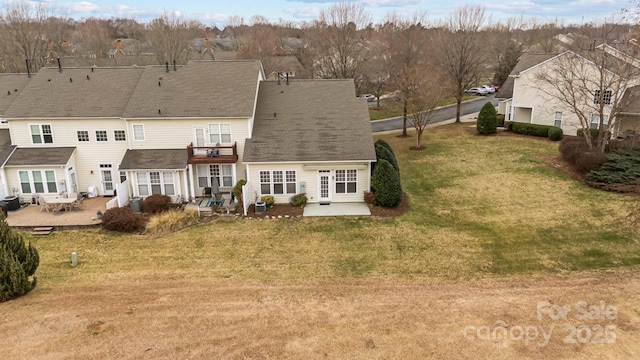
(106,176)
(74,182)
(324,188)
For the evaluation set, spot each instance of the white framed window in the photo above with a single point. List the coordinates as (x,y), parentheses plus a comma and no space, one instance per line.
(83,135)
(38,181)
(138,132)
(265,182)
(278,182)
(220,134)
(346,181)
(119,135)
(207,174)
(123,176)
(557,119)
(595,120)
(155,182)
(143,184)
(606,97)
(41,134)
(101,135)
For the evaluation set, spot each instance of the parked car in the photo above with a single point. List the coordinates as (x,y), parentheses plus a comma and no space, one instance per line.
(477,91)
(488,88)
(369,97)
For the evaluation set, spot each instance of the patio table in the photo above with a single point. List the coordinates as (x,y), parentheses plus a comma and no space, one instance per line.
(58,203)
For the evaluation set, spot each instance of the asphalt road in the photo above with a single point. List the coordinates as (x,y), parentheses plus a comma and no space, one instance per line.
(442,114)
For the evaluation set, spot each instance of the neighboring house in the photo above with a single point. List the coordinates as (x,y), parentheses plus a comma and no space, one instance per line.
(177,130)
(629,114)
(523,99)
(313,137)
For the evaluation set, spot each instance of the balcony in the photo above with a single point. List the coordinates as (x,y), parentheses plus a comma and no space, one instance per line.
(221,154)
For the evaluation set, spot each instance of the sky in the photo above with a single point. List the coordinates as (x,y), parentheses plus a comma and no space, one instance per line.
(216,12)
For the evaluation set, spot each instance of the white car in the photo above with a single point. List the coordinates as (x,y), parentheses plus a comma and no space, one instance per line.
(369,97)
(490,89)
(477,91)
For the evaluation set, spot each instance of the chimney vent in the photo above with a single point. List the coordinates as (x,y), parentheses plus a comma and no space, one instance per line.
(287,78)
(59,66)
(159,112)
(159,84)
(8,92)
(28,71)
(174,66)
(70,80)
(274,114)
(92,69)
(87,77)
(167,66)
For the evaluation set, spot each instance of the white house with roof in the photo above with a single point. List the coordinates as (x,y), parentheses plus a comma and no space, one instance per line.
(180,130)
(525,97)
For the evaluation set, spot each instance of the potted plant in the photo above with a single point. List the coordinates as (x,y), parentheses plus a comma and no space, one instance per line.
(99,214)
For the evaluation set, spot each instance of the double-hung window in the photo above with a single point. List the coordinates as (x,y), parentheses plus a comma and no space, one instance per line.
(38,181)
(346,181)
(220,134)
(138,132)
(606,97)
(595,120)
(278,182)
(41,134)
(155,182)
(557,119)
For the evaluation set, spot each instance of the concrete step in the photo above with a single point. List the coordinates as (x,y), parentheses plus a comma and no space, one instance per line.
(43,230)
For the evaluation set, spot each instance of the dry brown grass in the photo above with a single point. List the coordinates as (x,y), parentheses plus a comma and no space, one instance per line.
(489,229)
(160,315)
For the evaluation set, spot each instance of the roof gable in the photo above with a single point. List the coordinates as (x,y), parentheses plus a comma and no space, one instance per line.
(310,120)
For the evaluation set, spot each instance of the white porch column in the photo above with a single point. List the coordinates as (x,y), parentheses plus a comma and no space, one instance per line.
(192,191)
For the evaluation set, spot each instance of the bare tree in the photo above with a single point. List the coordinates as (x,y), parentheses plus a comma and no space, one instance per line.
(409,44)
(336,42)
(93,34)
(235,29)
(591,80)
(427,93)
(25,35)
(171,38)
(460,52)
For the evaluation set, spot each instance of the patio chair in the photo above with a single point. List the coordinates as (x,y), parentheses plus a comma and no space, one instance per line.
(77,205)
(206,192)
(43,204)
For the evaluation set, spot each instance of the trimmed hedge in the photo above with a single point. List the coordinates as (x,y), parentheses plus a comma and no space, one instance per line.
(383,153)
(123,219)
(508,125)
(555,134)
(156,203)
(531,129)
(386,182)
(385,144)
(487,120)
(500,120)
(299,200)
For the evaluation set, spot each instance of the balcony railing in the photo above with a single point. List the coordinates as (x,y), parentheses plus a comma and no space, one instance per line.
(221,154)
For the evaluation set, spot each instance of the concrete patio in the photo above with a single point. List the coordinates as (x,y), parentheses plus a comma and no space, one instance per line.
(31,216)
(337,209)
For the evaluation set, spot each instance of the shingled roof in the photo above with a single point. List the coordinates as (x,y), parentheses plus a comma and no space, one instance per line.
(5,145)
(161,159)
(310,120)
(198,89)
(629,104)
(11,86)
(527,61)
(40,156)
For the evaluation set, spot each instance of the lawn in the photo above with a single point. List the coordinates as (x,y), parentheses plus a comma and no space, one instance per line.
(491,230)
